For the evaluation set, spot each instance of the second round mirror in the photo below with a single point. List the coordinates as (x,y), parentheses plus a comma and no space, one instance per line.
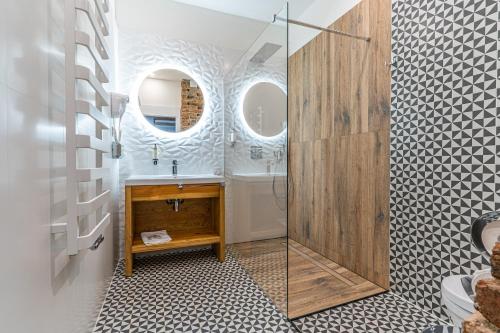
(265,108)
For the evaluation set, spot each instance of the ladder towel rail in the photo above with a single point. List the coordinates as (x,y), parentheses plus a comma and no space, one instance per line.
(96,207)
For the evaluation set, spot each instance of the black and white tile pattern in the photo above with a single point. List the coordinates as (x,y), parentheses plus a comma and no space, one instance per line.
(445,140)
(379,314)
(266,265)
(187,292)
(192,292)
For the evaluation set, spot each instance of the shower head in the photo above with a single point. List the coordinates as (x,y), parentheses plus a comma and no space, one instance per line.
(265,52)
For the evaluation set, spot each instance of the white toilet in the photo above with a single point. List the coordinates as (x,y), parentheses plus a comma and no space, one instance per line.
(457,299)
(458,304)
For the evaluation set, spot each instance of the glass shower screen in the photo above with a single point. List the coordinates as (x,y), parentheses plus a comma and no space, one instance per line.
(255,126)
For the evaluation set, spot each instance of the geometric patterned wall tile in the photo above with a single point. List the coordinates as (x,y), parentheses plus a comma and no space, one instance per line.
(445,139)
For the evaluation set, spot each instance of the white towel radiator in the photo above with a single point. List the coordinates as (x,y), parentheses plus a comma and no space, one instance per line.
(95,12)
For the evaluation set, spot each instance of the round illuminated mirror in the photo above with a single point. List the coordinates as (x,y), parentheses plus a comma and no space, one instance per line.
(171,100)
(264,109)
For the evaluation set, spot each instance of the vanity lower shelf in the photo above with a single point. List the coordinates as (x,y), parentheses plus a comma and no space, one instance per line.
(180,239)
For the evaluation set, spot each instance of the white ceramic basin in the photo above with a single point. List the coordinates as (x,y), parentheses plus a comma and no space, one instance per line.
(169,179)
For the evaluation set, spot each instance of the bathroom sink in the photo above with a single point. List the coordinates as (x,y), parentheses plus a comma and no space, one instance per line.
(169,179)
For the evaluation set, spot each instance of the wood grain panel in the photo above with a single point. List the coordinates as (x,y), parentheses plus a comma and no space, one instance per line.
(316,283)
(162,192)
(180,239)
(129,232)
(218,207)
(379,78)
(193,214)
(339,109)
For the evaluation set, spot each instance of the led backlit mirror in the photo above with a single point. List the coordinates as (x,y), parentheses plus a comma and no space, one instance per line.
(264,109)
(171,100)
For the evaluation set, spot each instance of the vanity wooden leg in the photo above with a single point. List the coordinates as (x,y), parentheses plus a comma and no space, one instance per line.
(219,252)
(129,260)
(220,225)
(129,232)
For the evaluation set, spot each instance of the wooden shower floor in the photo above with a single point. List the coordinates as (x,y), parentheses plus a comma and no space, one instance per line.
(315,283)
(265,262)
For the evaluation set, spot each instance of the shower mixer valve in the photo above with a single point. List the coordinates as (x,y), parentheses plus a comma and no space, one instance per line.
(155,154)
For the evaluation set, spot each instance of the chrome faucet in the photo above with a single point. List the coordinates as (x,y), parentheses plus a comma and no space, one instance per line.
(174,167)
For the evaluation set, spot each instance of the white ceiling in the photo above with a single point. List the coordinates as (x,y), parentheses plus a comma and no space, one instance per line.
(232,25)
(181,21)
(261,10)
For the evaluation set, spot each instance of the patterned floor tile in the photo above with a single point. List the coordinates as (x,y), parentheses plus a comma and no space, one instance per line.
(188,292)
(266,263)
(385,313)
(191,291)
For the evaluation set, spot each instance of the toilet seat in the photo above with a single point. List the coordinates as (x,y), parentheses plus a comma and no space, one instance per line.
(453,291)
(457,313)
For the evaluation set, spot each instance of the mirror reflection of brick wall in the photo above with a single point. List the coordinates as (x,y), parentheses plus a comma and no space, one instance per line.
(192,104)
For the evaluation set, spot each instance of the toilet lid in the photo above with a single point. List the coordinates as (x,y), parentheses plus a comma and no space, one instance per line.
(485,232)
(452,289)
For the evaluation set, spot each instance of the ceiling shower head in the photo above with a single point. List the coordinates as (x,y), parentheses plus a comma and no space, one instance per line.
(265,52)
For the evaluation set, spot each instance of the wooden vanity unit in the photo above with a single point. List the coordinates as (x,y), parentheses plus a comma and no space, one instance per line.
(199,220)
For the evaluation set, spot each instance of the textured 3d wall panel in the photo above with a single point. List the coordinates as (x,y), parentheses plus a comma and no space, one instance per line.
(242,76)
(444,142)
(200,152)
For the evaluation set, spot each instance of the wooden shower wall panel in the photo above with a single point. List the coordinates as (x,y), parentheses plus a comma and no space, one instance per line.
(339,121)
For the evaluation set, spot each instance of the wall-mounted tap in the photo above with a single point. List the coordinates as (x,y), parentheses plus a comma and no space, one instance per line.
(155,154)
(174,167)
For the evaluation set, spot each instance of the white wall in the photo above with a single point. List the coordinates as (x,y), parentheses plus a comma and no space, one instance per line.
(42,289)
